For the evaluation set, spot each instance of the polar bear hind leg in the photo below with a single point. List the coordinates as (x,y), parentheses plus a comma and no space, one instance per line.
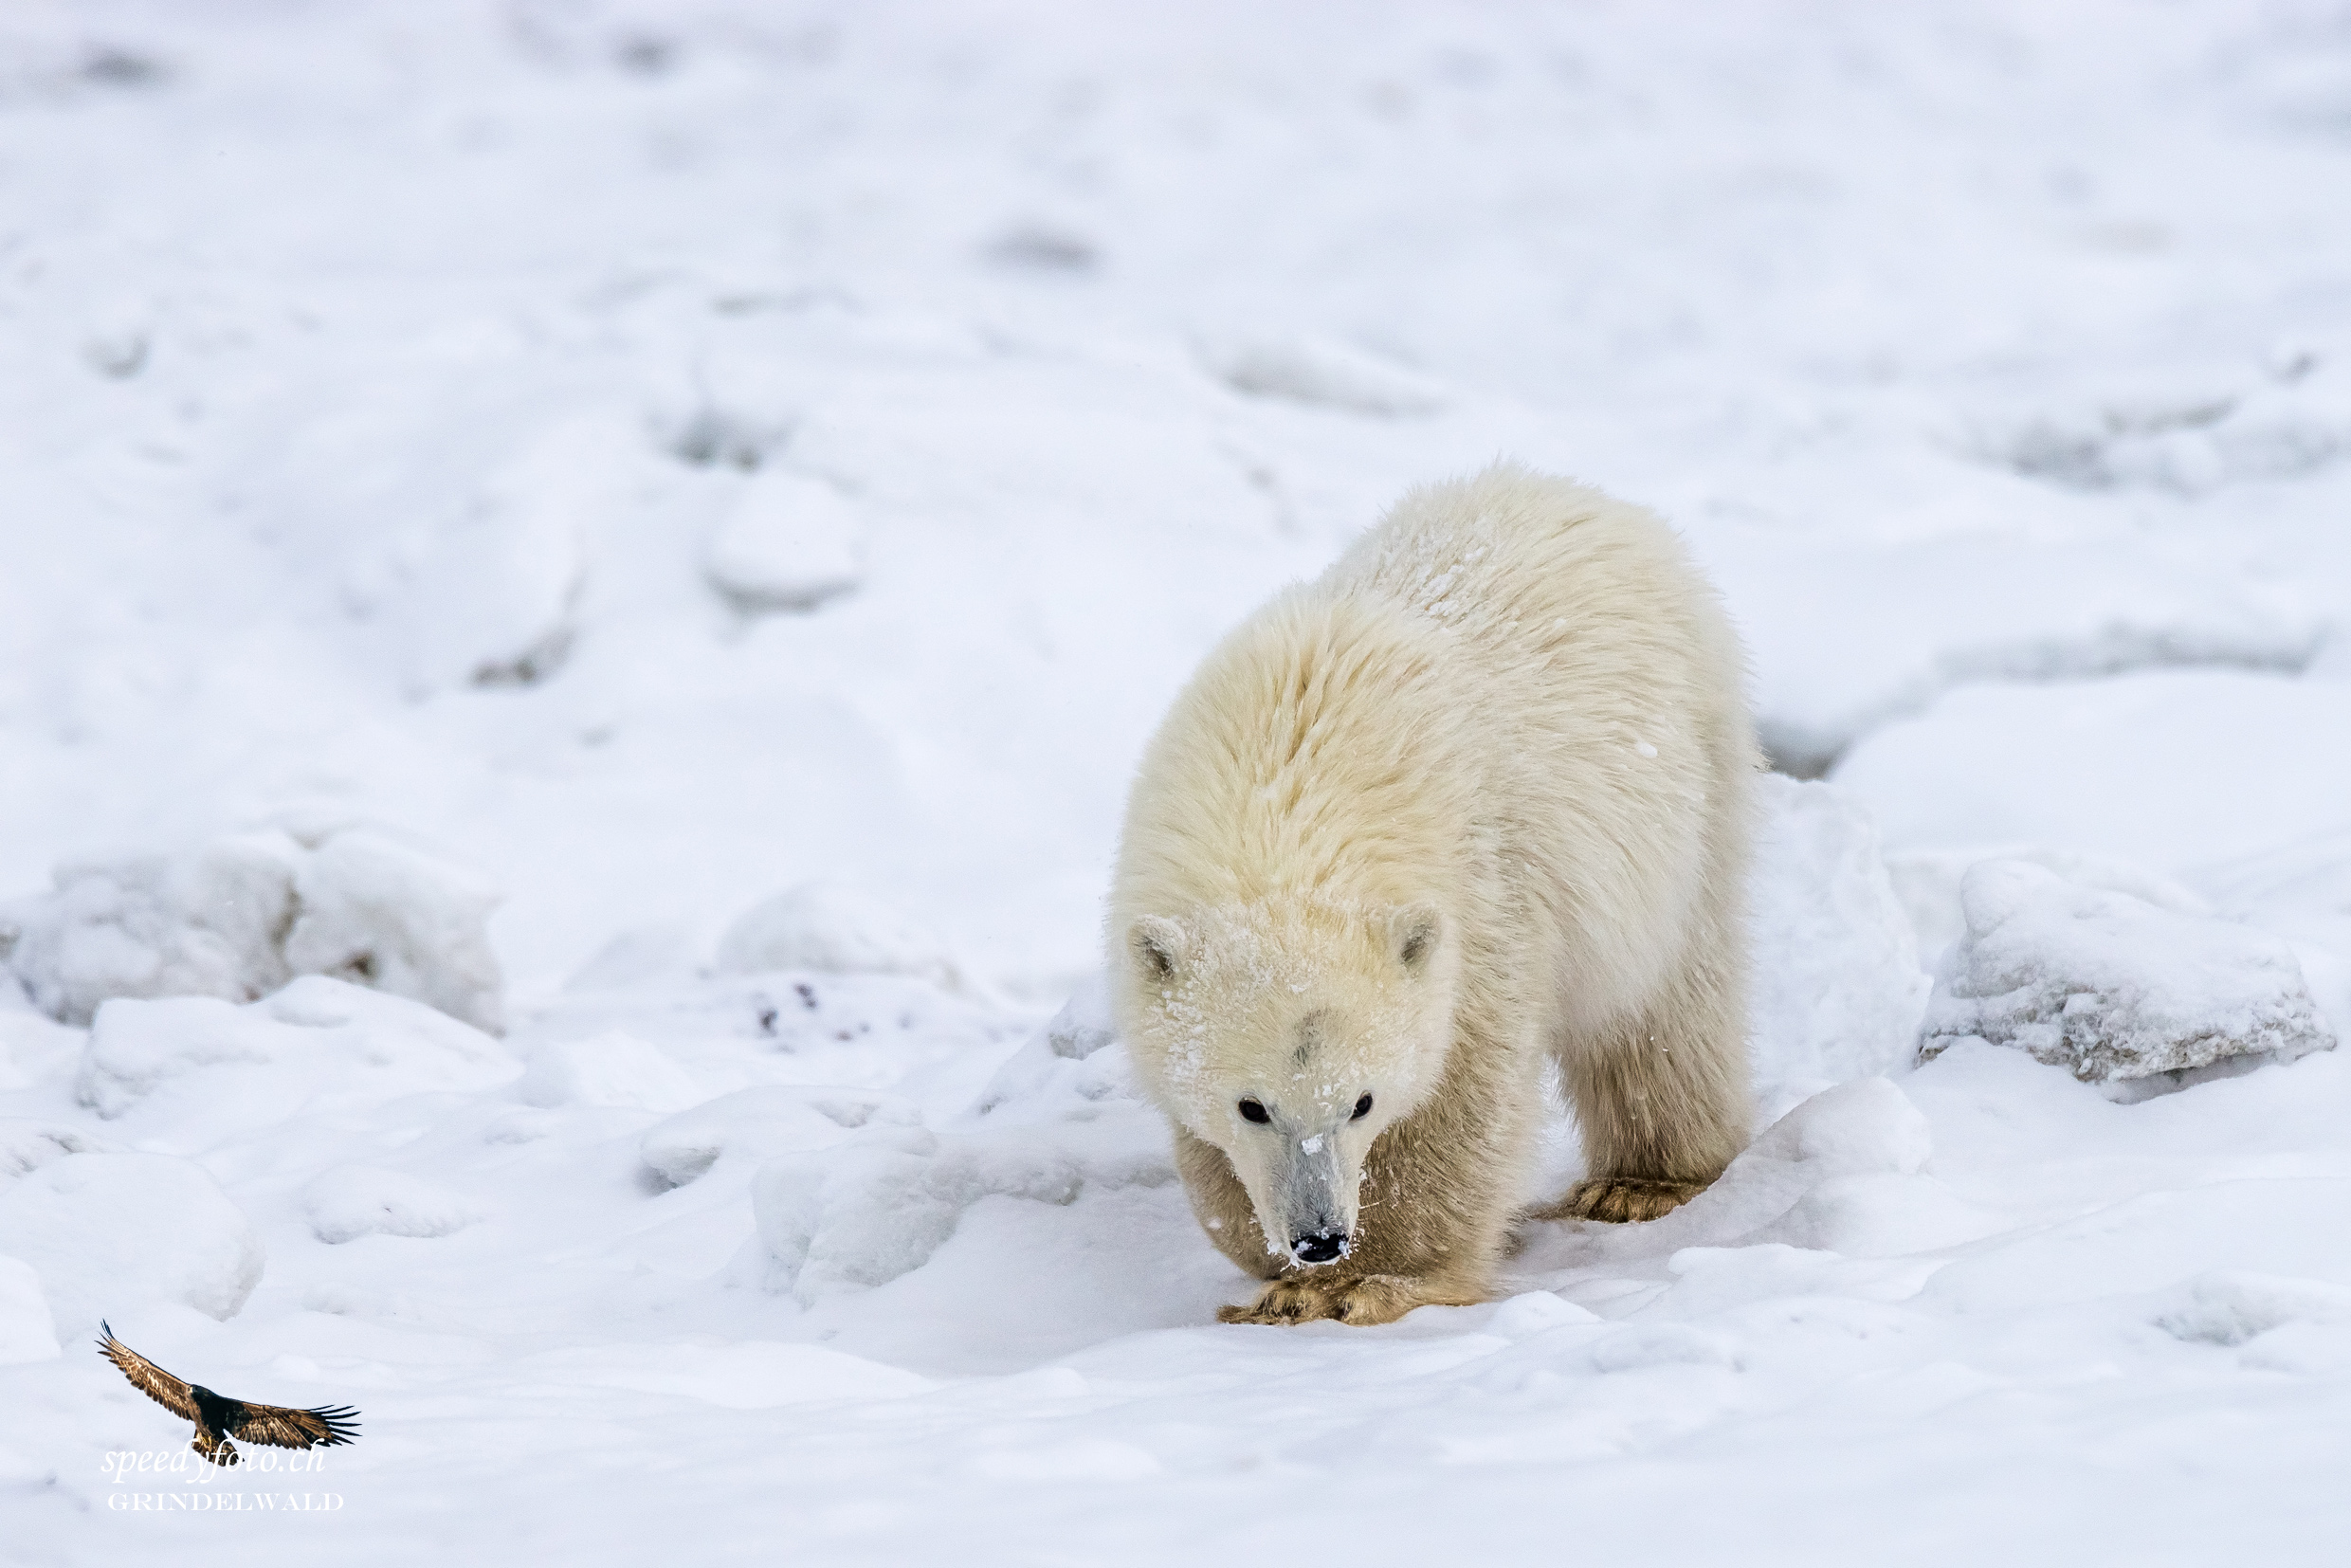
(1661,1103)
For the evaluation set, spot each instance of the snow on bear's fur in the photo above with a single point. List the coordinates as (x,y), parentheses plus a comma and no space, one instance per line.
(1476,799)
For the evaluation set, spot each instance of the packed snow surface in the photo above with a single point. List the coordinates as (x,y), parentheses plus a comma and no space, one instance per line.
(583,579)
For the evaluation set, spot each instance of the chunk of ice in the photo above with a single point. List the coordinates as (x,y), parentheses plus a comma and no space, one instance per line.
(2122,994)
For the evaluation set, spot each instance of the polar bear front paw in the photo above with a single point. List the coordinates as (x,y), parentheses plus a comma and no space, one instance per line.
(1620,1200)
(1282,1302)
(1372,1298)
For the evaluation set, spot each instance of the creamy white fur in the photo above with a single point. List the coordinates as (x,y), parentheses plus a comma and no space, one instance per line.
(1475,798)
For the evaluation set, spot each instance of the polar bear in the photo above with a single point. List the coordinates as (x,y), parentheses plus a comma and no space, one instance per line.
(1474,801)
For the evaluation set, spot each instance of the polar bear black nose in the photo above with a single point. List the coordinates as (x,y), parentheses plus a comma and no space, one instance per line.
(1320,1248)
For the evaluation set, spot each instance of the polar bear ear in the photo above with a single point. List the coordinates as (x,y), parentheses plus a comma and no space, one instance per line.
(1158,945)
(1416,930)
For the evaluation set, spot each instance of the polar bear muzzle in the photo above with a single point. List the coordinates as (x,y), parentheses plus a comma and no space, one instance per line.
(1306,1192)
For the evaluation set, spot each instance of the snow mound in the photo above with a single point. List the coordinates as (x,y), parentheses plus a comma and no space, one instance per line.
(637,956)
(791,544)
(1838,991)
(108,1233)
(1863,1127)
(351,1201)
(759,1123)
(1083,1025)
(27,1333)
(1323,374)
(2125,994)
(1861,1136)
(879,1205)
(831,929)
(2230,1307)
(1927,883)
(487,592)
(611,1068)
(2185,442)
(27,1144)
(1048,1069)
(240,916)
(318,1043)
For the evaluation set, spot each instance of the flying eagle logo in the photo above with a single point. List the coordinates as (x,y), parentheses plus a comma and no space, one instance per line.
(218,1418)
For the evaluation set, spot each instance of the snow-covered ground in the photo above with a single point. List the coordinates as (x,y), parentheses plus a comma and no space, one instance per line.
(736,483)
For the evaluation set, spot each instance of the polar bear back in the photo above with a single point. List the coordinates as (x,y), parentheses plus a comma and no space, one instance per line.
(1605,692)
(1516,699)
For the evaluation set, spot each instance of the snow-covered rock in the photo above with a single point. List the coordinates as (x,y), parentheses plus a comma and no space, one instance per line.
(373,911)
(27,1333)
(1838,989)
(829,928)
(107,1233)
(207,924)
(790,544)
(316,1044)
(2123,993)
(242,915)
(611,1068)
(351,1201)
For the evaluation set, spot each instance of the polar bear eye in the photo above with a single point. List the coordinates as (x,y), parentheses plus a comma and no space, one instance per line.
(1362,1108)
(1252,1111)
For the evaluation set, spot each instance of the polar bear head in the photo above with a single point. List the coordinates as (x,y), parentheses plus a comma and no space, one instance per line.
(1289,1033)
